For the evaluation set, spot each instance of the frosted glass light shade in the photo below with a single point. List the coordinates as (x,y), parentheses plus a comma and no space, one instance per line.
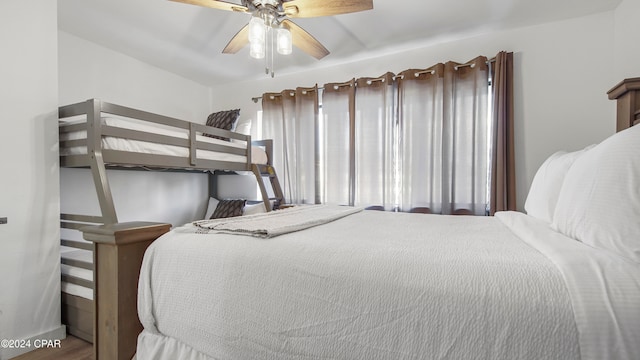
(256,29)
(284,41)
(256,49)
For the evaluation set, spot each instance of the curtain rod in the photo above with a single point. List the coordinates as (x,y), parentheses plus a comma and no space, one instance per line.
(417,73)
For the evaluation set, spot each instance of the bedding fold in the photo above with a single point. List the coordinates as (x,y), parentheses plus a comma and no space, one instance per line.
(277,223)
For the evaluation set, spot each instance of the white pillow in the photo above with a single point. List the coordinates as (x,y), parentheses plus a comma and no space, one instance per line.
(251,209)
(243,128)
(599,203)
(545,188)
(213,203)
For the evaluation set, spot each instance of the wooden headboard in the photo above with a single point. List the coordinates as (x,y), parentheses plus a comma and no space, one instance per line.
(627,93)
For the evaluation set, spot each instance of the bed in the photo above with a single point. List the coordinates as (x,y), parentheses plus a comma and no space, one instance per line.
(99,135)
(323,282)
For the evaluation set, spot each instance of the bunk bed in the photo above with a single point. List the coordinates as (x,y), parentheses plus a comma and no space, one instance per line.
(386,285)
(99,135)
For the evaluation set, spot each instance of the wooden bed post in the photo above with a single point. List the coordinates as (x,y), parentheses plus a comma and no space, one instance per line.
(117,257)
(627,94)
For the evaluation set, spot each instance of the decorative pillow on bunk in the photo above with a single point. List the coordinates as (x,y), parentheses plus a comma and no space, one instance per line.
(223,120)
(229,208)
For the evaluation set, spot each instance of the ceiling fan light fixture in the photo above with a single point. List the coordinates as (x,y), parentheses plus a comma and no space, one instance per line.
(284,41)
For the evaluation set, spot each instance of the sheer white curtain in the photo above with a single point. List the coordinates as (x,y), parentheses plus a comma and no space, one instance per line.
(374,143)
(336,156)
(306,109)
(465,138)
(444,138)
(273,128)
(420,94)
(289,118)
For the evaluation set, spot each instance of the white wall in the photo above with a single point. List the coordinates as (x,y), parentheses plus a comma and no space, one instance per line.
(562,73)
(87,70)
(29,195)
(627,40)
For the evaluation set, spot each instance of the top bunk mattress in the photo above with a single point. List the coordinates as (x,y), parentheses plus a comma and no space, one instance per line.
(258,154)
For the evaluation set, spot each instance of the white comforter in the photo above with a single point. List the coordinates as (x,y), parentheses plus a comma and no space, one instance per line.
(378,285)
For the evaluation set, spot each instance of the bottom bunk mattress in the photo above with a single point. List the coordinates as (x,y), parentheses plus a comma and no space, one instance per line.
(376,285)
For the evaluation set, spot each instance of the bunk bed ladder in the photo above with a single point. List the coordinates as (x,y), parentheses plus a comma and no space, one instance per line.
(262,171)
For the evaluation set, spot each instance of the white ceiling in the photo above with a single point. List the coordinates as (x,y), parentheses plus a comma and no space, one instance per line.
(188,40)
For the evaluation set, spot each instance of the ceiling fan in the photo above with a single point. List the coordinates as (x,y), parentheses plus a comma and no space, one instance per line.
(271,28)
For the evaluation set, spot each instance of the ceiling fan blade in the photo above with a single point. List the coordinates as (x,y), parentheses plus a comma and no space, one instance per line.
(305,41)
(240,40)
(216,4)
(314,8)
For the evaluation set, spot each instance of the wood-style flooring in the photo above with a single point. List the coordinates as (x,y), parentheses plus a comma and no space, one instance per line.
(70,348)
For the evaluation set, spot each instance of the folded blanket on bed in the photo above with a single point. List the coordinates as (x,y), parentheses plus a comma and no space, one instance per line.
(277,222)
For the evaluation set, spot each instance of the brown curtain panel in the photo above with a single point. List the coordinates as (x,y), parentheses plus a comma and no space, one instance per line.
(503,178)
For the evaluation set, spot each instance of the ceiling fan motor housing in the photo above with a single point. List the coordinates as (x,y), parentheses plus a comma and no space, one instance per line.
(276,7)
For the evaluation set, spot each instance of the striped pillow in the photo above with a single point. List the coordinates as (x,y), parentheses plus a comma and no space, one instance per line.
(223,120)
(228,208)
